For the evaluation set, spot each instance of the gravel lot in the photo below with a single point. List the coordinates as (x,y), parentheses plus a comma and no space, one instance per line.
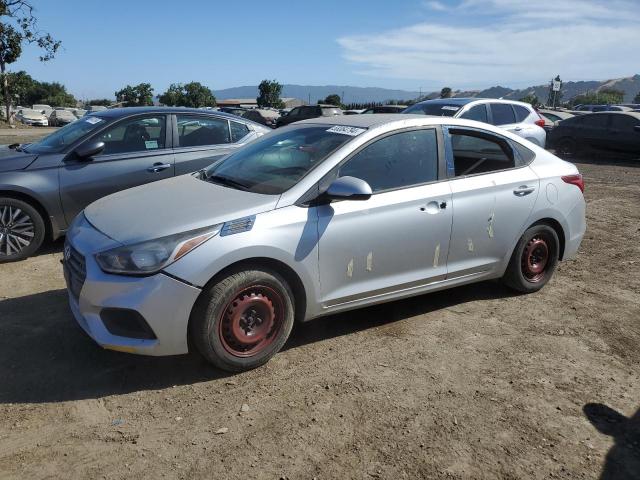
(474,382)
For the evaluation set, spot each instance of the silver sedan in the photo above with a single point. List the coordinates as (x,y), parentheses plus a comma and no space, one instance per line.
(322,216)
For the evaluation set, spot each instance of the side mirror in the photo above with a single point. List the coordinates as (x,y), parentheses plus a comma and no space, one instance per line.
(88,150)
(348,188)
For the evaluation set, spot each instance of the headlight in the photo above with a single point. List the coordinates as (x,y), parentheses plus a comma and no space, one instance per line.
(153,255)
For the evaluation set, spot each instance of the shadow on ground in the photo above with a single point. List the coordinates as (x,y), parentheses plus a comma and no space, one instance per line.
(623,460)
(46,357)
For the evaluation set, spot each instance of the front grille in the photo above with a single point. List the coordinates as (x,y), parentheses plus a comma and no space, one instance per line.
(76,269)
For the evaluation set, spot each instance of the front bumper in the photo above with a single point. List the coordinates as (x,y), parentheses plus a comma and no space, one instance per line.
(163,302)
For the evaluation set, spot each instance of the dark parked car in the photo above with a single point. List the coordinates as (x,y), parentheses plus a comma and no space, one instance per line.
(44,185)
(386,109)
(238,111)
(308,111)
(265,117)
(618,131)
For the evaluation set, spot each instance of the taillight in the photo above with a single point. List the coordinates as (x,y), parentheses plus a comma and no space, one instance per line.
(540,121)
(576,180)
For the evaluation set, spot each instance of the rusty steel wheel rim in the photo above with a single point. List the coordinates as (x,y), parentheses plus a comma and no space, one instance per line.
(535,259)
(251,321)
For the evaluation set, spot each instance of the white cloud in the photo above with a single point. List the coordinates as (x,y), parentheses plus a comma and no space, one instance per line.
(511,42)
(435,5)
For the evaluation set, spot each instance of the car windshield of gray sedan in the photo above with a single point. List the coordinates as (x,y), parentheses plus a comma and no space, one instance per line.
(65,136)
(276,162)
(438,109)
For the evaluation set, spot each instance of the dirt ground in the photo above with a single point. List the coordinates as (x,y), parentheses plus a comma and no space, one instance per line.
(23,134)
(471,383)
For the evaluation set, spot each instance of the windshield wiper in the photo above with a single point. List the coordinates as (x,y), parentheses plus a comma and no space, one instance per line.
(229,182)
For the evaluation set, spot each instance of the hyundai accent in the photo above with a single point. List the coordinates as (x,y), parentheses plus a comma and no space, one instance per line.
(321,216)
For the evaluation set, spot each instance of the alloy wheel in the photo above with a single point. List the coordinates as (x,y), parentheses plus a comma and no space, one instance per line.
(17,230)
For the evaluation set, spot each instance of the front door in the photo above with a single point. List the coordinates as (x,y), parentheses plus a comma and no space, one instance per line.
(493,194)
(135,153)
(399,238)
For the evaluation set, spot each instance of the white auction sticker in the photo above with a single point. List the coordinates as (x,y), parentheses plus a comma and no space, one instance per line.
(351,131)
(450,107)
(93,120)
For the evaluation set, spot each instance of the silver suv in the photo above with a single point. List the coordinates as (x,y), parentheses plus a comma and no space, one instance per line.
(319,217)
(516,117)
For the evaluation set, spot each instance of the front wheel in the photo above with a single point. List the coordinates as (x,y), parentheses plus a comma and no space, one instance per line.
(567,147)
(534,260)
(22,230)
(243,320)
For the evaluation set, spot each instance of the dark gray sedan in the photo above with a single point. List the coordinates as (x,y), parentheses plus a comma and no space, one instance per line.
(44,185)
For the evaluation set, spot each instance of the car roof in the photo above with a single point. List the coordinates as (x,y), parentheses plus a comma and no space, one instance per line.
(126,111)
(464,101)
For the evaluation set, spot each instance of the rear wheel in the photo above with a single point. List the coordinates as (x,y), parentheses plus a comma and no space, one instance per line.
(243,320)
(567,147)
(533,260)
(22,230)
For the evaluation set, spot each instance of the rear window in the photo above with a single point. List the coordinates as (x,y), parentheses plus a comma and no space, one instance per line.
(502,114)
(521,113)
(437,108)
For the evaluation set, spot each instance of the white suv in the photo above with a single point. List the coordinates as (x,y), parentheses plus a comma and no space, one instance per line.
(517,117)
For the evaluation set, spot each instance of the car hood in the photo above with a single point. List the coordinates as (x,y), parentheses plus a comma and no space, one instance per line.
(32,116)
(172,206)
(11,160)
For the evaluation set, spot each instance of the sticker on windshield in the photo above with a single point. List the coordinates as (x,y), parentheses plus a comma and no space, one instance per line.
(150,144)
(93,120)
(450,107)
(351,131)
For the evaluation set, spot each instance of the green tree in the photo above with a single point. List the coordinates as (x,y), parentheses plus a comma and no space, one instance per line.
(103,102)
(604,96)
(613,94)
(54,94)
(18,25)
(446,92)
(531,99)
(270,91)
(140,95)
(193,94)
(332,100)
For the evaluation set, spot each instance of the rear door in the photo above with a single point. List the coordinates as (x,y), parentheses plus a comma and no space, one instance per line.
(137,151)
(594,129)
(200,140)
(503,115)
(493,194)
(624,135)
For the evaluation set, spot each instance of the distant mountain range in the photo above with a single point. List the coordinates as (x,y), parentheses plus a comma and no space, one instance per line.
(629,85)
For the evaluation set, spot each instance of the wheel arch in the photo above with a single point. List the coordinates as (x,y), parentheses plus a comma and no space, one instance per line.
(553,223)
(35,203)
(290,276)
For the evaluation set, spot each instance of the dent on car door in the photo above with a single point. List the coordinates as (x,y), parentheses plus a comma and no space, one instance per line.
(493,194)
(202,140)
(136,152)
(399,238)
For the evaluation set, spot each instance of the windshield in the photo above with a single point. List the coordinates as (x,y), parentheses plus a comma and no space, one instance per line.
(66,135)
(437,108)
(276,162)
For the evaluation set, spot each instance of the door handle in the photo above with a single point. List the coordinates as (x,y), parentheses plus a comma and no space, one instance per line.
(158,167)
(523,190)
(517,129)
(433,207)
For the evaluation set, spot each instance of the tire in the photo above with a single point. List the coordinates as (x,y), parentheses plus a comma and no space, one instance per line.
(534,260)
(567,147)
(22,230)
(243,320)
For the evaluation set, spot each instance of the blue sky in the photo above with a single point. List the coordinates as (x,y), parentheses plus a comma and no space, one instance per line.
(407,44)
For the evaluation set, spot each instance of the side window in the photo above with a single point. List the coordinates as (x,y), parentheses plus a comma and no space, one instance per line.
(475,153)
(521,113)
(396,161)
(477,113)
(295,112)
(551,116)
(135,135)
(623,122)
(238,131)
(196,131)
(502,114)
(308,112)
(595,121)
